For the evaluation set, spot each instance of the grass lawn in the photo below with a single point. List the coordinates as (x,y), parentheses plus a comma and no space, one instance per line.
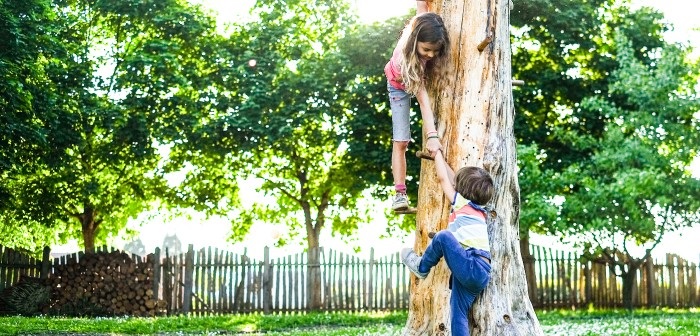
(565,323)
(663,322)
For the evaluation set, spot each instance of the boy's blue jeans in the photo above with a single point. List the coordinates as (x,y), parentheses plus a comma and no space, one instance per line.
(470,275)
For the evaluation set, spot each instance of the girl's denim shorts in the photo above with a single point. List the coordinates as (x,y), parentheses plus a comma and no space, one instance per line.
(400,103)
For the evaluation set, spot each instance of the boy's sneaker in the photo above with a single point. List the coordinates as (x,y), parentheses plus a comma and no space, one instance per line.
(400,202)
(412,260)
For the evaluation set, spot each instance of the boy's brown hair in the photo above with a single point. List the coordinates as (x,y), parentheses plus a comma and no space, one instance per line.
(474,184)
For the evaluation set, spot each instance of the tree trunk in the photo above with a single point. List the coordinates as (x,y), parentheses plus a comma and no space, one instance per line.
(474,109)
(629,284)
(89,228)
(313,281)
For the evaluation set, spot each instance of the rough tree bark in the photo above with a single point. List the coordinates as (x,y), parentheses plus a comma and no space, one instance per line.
(474,109)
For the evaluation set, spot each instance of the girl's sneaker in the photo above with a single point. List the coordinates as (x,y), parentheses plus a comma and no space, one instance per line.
(400,202)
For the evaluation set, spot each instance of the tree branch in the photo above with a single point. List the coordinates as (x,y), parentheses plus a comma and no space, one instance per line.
(608,255)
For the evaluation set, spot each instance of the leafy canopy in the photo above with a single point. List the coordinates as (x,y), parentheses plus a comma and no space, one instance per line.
(128,77)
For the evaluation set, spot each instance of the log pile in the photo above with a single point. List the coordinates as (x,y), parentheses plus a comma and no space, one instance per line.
(26,297)
(108,281)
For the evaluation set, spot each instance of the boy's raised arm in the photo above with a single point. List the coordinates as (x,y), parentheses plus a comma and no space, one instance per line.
(446,176)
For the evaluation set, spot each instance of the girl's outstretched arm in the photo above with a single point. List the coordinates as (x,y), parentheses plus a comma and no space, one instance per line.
(421,6)
(426,111)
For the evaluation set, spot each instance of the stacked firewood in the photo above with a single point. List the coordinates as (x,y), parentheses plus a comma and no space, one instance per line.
(108,281)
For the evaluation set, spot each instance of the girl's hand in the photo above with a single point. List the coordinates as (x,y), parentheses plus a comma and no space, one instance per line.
(433,145)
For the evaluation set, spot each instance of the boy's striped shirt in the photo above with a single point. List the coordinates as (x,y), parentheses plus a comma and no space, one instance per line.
(468,223)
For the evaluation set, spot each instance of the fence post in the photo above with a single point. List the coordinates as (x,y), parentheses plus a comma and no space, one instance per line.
(670,262)
(370,281)
(267,282)
(588,282)
(696,288)
(189,276)
(167,283)
(45,263)
(530,273)
(156,274)
(651,282)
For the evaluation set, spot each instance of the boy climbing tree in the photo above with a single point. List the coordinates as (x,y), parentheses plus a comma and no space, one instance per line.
(464,245)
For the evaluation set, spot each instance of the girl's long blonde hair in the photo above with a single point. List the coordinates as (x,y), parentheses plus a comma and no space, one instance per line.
(427,27)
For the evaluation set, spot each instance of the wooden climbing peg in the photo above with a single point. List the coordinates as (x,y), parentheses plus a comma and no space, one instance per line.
(518,82)
(424,155)
(485,43)
(407,211)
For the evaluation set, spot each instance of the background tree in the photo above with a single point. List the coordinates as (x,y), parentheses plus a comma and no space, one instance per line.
(563,121)
(554,42)
(283,119)
(637,187)
(30,52)
(538,198)
(136,247)
(172,245)
(131,76)
(565,54)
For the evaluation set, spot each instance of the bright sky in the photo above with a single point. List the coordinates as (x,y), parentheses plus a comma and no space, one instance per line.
(201,233)
(682,14)
(368,10)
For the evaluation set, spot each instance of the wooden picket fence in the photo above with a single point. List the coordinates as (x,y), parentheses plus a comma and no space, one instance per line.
(565,280)
(214,281)
(218,281)
(15,265)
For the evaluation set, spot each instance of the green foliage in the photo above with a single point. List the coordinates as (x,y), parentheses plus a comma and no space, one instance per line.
(128,77)
(27,96)
(565,54)
(291,121)
(538,197)
(29,45)
(636,183)
(607,122)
